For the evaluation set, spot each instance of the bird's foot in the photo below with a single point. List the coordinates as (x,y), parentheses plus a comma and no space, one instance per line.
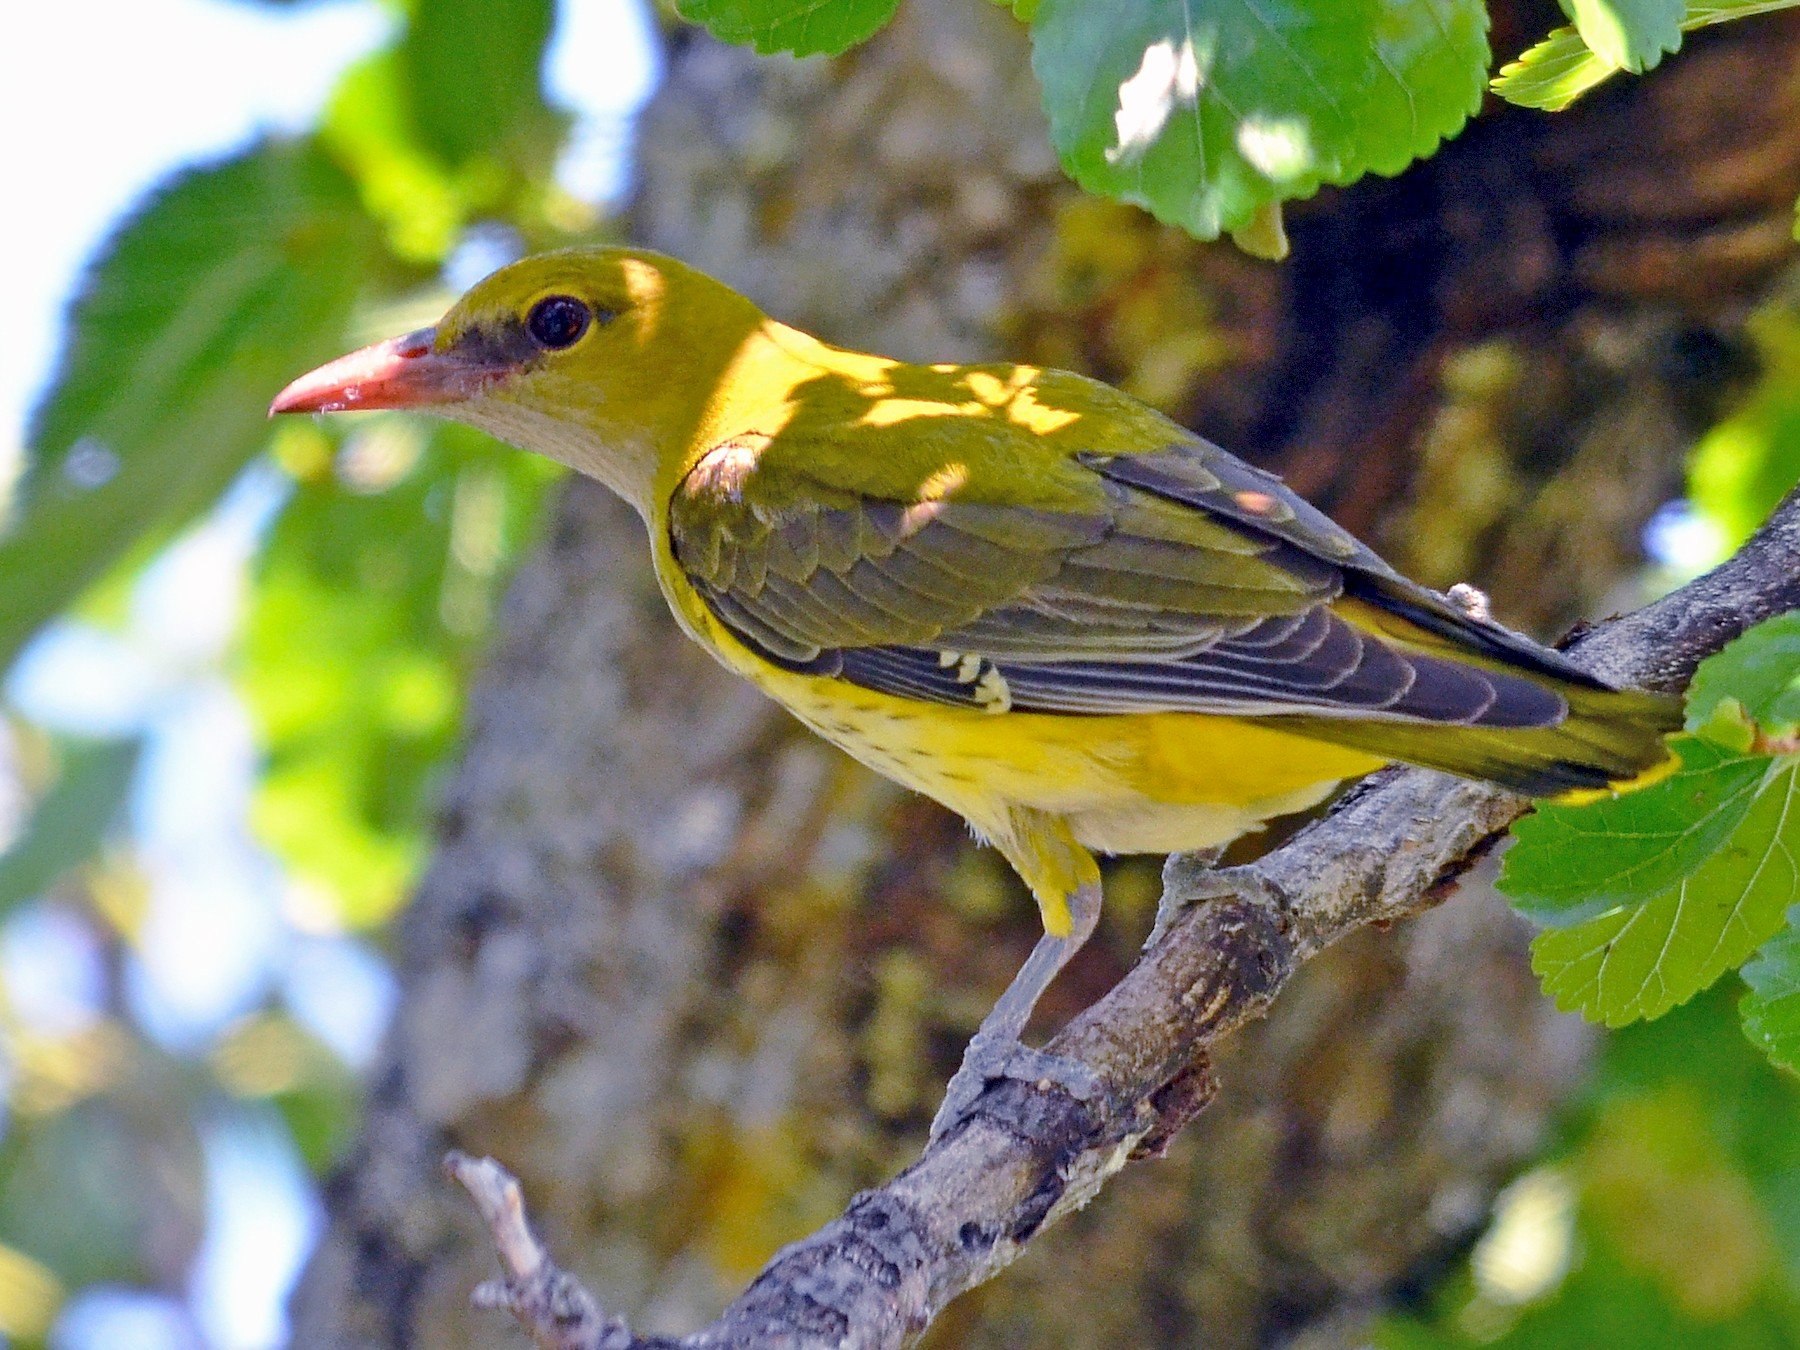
(1193,879)
(992,1058)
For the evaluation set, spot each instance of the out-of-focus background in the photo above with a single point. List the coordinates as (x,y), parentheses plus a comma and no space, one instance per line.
(186,1016)
(690,973)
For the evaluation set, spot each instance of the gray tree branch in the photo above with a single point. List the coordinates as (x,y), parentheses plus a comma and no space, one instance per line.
(1029,1153)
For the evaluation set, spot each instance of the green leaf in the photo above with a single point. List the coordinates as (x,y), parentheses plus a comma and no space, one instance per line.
(1760,671)
(1642,960)
(1555,72)
(803,27)
(1771,1010)
(368,128)
(472,71)
(225,284)
(70,821)
(1552,74)
(1206,111)
(1628,34)
(1569,864)
(371,601)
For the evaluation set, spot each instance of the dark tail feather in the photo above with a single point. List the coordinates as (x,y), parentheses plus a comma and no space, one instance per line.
(1609,736)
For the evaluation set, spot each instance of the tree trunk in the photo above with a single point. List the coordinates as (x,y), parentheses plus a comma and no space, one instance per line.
(695,977)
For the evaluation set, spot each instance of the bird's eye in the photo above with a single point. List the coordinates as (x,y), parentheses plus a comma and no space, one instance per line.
(558,321)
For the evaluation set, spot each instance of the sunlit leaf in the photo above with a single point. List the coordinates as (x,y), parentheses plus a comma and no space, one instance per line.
(1555,72)
(1204,112)
(70,821)
(803,27)
(227,281)
(1771,1010)
(1628,34)
(1641,960)
(1653,894)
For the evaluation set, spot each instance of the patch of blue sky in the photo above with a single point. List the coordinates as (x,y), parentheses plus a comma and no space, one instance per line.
(182,617)
(213,928)
(213,932)
(52,969)
(1684,541)
(109,1317)
(604,63)
(339,989)
(84,681)
(262,1216)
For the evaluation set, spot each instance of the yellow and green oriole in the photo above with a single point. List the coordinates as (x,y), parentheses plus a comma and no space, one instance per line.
(1019,591)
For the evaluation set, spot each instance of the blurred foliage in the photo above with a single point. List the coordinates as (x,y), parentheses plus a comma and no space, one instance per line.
(436,140)
(802,27)
(269,1057)
(1749,461)
(370,597)
(200,304)
(373,595)
(1674,1212)
(70,820)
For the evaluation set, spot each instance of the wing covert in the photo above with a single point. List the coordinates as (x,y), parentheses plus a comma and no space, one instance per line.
(1189,582)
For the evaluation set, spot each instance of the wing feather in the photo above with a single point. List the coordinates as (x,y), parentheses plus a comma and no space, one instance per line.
(1194,583)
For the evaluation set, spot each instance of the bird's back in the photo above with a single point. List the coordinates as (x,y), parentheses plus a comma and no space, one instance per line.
(1028,580)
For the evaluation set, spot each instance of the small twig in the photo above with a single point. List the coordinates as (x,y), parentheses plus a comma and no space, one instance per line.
(546,1300)
(1227,942)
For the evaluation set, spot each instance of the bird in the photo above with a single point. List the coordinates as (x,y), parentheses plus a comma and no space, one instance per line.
(1019,591)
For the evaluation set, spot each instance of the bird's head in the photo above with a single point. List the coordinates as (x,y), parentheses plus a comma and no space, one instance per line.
(615,361)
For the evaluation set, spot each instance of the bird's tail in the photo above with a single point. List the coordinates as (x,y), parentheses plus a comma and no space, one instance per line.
(1610,738)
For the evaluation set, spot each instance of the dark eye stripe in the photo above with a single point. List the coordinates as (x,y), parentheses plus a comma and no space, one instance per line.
(558,321)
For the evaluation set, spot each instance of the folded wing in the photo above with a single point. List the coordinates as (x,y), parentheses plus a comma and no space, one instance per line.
(1191,582)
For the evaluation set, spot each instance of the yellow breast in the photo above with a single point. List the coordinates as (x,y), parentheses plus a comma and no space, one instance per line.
(1142,783)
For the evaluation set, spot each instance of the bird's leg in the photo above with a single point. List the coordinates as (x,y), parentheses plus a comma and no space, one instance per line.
(995,1051)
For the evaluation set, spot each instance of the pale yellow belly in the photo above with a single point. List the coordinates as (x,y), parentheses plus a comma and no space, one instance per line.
(1146,783)
(1150,783)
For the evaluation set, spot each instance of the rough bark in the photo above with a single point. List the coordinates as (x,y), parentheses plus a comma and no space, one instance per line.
(696,979)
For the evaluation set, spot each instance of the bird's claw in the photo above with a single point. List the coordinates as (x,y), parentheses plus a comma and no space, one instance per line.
(1195,878)
(990,1058)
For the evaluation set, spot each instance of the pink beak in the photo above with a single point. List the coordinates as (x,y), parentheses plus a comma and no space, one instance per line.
(403,372)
